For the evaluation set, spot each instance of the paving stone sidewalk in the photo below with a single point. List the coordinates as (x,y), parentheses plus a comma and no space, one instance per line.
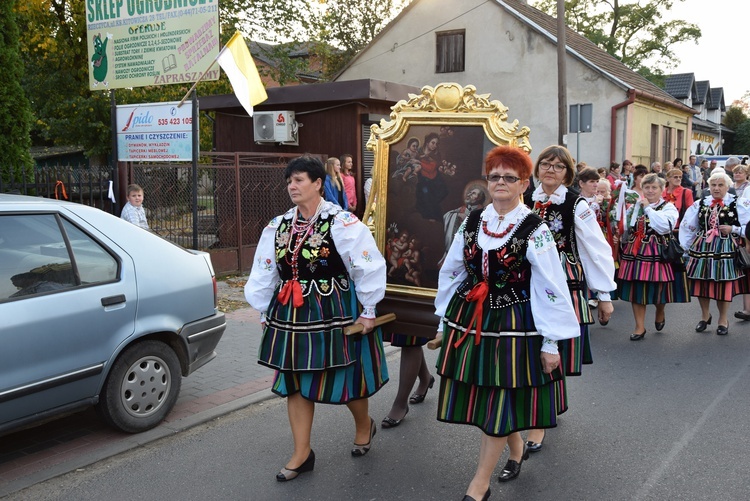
(231,381)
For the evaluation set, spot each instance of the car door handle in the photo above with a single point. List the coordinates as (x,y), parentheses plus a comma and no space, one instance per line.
(109,301)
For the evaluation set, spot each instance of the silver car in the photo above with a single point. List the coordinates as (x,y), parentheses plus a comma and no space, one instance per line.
(96,311)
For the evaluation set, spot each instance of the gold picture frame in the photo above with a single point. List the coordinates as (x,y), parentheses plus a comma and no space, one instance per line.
(428,165)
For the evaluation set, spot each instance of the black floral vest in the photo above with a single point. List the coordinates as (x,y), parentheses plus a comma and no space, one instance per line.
(316,263)
(509,276)
(727,215)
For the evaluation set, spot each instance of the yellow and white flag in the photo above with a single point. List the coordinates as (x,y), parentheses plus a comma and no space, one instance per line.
(238,64)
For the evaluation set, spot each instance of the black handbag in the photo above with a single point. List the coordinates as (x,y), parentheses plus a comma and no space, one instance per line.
(672,252)
(743,256)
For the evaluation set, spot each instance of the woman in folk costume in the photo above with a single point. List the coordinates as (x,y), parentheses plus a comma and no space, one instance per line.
(504,305)
(588,184)
(645,277)
(584,254)
(710,232)
(311,267)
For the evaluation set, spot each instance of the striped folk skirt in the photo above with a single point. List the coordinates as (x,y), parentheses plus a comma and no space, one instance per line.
(712,268)
(576,352)
(644,278)
(497,385)
(404,341)
(579,292)
(311,355)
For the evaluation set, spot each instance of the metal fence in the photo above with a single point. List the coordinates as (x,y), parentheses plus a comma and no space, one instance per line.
(237,195)
(84,184)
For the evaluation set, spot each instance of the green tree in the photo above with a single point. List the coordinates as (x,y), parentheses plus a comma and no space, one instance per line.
(734,117)
(631,31)
(345,27)
(15,114)
(55,56)
(54,50)
(742,137)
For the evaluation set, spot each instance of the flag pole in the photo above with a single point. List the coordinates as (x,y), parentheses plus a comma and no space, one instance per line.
(201,77)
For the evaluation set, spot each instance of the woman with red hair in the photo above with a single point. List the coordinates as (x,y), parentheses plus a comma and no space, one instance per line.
(504,305)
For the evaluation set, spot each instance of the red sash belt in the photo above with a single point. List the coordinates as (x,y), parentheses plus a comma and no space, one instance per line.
(291,288)
(640,234)
(477,294)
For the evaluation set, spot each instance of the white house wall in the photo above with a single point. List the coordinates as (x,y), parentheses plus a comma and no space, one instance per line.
(504,57)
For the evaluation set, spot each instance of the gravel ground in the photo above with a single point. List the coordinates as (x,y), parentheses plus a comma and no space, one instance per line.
(232,293)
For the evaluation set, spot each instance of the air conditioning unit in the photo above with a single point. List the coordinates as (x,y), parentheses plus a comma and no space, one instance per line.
(275,127)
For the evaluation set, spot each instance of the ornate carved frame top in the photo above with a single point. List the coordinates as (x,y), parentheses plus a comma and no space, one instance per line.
(446,104)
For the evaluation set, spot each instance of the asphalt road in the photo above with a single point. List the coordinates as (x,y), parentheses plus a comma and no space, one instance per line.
(663,418)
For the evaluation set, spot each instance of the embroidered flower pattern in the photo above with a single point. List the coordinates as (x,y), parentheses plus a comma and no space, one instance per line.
(366,256)
(324,252)
(266,264)
(453,276)
(550,295)
(555,224)
(282,239)
(538,241)
(315,240)
(506,258)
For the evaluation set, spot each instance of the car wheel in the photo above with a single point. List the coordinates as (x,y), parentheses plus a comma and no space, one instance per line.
(141,388)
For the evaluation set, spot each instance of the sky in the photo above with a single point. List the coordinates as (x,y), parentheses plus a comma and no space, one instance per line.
(721,54)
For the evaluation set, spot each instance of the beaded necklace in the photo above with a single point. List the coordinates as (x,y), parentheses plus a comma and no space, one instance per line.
(299,234)
(497,235)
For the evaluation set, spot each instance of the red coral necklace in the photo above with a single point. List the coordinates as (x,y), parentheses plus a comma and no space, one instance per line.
(496,235)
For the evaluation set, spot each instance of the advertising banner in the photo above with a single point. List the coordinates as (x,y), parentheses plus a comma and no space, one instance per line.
(155,132)
(134,43)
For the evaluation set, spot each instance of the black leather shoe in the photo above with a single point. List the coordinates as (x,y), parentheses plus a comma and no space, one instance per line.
(703,324)
(512,468)
(722,330)
(484,498)
(417,398)
(638,337)
(287,474)
(659,325)
(742,315)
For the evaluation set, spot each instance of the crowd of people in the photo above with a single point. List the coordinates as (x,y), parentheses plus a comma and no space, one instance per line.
(647,208)
(519,285)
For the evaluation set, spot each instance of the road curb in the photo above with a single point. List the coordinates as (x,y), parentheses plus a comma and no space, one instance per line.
(130,442)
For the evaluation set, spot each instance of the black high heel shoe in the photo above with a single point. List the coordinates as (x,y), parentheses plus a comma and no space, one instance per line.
(722,330)
(389,422)
(660,325)
(513,468)
(638,337)
(287,474)
(703,324)
(484,498)
(361,450)
(417,398)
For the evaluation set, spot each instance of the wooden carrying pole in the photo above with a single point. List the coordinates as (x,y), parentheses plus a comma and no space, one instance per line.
(358,328)
(436,343)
